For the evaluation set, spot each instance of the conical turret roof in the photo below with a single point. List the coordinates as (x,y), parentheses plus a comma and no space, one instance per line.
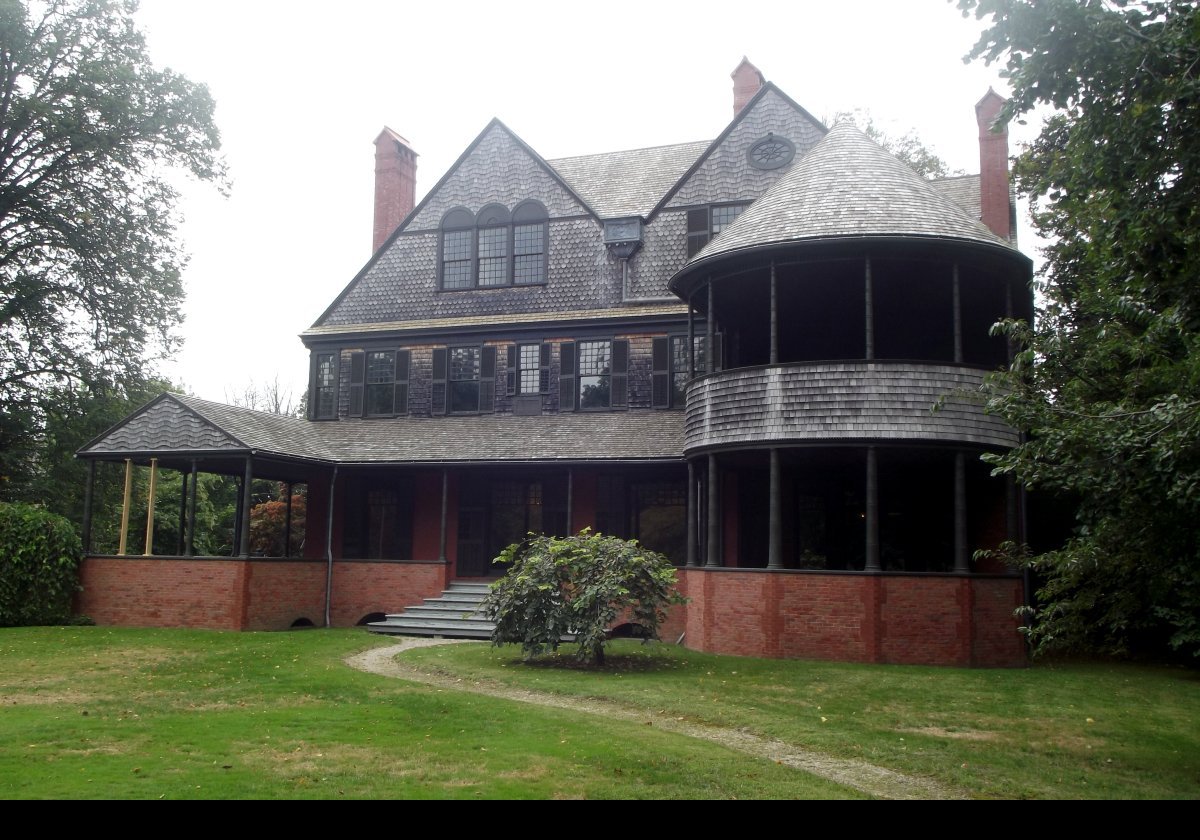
(848,186)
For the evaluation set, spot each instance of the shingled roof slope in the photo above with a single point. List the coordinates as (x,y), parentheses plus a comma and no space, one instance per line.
(628,183)
(848,186)
(176,423)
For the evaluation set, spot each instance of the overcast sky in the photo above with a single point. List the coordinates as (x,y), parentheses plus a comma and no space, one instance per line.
(302,89)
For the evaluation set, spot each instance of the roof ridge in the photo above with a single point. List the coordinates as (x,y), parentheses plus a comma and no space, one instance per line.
(626,151)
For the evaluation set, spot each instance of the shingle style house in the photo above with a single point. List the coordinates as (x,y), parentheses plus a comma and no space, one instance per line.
(730,350)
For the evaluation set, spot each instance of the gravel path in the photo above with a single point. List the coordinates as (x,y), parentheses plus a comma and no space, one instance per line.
(872,780)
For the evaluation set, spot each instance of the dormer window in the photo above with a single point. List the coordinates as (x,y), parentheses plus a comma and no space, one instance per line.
(494,248)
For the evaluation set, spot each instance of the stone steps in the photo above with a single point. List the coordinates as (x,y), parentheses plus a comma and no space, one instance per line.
(455,613)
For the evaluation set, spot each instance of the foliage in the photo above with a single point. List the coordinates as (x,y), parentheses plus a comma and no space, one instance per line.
(90,133)
(578,586)
(1107,383)
(268,523)
(39,559)
(908,147)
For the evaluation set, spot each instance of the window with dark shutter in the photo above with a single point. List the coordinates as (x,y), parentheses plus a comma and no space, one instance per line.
(322,404)
(620,373)
(595,368)
(566,376)
(381,384)
(464,379)
(437,397)
(510,370)
(660,373)
(544,369)
(487,380)
(358,366)
(403,359)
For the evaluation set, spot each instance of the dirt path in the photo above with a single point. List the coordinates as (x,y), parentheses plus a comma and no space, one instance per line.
(872,780)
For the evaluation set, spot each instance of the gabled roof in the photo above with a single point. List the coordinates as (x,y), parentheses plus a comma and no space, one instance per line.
(848,186)
(628,183)
(173,424)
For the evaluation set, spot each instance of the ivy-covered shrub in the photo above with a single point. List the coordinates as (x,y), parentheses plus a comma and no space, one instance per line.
(578,586)
(39,562)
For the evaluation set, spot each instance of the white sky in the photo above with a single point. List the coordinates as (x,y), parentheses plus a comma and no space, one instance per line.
(302,89)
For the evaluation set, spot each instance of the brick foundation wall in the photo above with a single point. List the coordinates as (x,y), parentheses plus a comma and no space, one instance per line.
(234,594)
(913,619)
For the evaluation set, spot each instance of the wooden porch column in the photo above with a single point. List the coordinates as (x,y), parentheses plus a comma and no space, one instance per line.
(872,564)
(287,521)
(775,539)
(774,318)
(125,506)
(87,506)
(1008,313)
(570,502)
(445,507)
(183,497)
(190,546)
(150,508)
(692,524)
(961,560)
(247,483)
(709,347)
(691,339)
(1012,523)
(958,336)
(869,290)
(714,513)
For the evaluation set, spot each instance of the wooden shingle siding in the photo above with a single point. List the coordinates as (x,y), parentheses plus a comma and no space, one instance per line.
(832,401)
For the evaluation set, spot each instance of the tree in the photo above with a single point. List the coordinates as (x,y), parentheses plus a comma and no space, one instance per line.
(1107,382)
(39,559)
(577,587)
(90,132)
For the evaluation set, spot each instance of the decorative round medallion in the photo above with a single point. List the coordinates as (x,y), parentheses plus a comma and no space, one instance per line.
(771,152)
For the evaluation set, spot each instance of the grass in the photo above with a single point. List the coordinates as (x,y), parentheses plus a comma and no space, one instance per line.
(116,713)
(1051,731)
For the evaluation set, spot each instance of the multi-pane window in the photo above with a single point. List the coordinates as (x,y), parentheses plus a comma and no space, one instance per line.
(325,387)
(493,256)
(529,254)
(464,379)
(529,369)
(494,248)
(381,382)
(595,374)
(706,222)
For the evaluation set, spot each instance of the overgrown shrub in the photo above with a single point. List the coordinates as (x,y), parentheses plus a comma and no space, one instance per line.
(578,586)
(39,562)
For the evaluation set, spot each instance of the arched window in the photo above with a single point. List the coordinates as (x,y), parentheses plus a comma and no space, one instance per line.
(494,248)
(458,258)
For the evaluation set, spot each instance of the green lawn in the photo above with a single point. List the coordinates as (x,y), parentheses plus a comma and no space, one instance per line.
(1051,731)
(112,713)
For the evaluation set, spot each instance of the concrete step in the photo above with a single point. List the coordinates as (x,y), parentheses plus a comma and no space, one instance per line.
(450,629)
(455,613)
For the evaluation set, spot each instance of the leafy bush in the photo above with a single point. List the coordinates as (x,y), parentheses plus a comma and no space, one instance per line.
(39,561)
(578,586)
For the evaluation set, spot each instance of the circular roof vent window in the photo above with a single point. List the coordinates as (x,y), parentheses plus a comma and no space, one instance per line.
(771,152)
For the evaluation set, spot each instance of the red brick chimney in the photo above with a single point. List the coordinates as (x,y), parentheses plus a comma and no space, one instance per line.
(746,81)
(395,184)
(994,208)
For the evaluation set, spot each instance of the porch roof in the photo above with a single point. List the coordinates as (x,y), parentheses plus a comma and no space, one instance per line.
(183,426)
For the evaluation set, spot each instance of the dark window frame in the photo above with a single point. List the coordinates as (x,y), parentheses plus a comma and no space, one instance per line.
(331,388)
(494,228)
(701,228)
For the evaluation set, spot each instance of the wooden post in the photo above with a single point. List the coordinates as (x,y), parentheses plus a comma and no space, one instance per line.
(691,339)
(774,318)
(125,506)
(1008,313)
(869,290)
(872,560)
(87,506)
(190,548)
(775,537)
(692,524)
(714,513)
(1012,526)
(150,508)
(958,336)
(709,346)
(445,508)
(247,484)
(570,502)
(183,497)
(287,521)
(961,560)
